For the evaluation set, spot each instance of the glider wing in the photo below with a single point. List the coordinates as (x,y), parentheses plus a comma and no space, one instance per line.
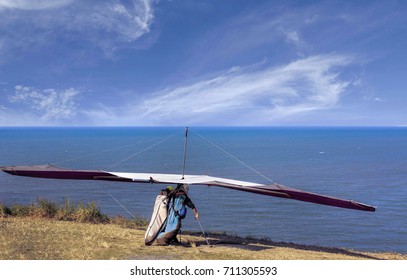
(277,190)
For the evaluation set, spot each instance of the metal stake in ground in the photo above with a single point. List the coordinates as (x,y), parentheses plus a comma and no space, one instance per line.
(203,232)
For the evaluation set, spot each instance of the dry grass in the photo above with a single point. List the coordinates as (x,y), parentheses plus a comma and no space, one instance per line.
(39,238)
(30,238)
(66,211)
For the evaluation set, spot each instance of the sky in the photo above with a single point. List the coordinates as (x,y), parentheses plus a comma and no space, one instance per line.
(196,62)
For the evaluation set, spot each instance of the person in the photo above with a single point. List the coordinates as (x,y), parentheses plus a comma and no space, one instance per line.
(177,204)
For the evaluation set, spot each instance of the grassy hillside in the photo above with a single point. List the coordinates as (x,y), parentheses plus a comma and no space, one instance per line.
(31,232)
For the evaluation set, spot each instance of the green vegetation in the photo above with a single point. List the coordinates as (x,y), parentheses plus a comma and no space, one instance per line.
(67,211)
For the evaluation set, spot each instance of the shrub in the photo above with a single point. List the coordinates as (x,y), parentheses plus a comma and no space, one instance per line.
(66,211)
(44,209)
(90,213)
(19,210)
(4,211)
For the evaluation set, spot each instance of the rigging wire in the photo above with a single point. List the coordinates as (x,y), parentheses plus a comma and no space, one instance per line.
(235,158)
(156,144)
(143,150)
(119,162)
(129,157)
(115,149)
(116,200)
(197,153)
(240,161)
(93,154)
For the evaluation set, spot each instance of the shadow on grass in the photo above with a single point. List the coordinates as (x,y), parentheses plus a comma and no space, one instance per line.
(254,244)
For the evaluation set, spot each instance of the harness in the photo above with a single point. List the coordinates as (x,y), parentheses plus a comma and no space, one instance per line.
(181,211)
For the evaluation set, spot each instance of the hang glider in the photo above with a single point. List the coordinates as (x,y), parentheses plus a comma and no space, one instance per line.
(276,190)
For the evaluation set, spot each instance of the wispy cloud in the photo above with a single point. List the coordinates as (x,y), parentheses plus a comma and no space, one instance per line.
(242,96)
(48,104)
(32,5)
(108,24)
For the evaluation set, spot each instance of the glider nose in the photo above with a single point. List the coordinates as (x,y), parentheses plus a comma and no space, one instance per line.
(7,169)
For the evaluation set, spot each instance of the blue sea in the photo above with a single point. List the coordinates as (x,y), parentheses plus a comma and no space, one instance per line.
(367,164)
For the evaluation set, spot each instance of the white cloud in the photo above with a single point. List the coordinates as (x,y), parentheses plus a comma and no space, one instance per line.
(50,104)
(240,96)
(108,24)
(243,96)
(253,97)
(293,36)
(126,22)
(33,5)
(373,98)
(378,99)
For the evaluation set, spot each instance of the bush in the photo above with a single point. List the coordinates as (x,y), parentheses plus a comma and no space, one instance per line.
(44,209)
(4,211)
(19,210)
(90,213)
(66,211)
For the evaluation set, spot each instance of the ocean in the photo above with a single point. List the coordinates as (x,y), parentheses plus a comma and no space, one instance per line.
(366,164)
